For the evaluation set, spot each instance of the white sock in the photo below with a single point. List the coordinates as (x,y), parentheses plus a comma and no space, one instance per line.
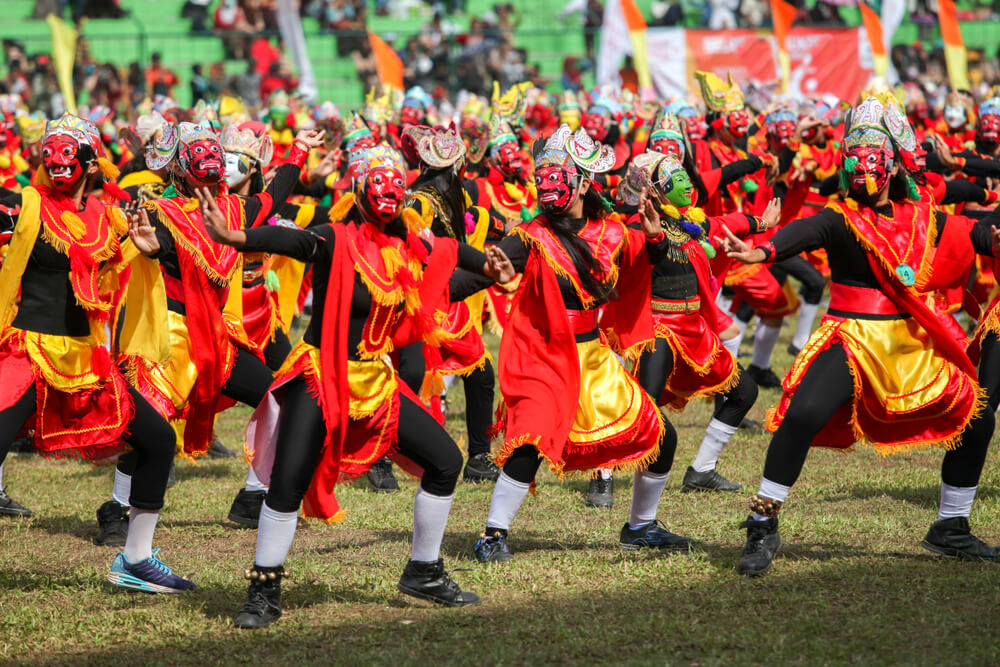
(772,490)
(123,488)
(803,328)
(252,483)
(764,340)
(716,436)
(275,532)
(430,516)
(647,487)
(605,473)
(508,494)
(956,501)
(733,345)
(141,526)
(723,302)
(1,475)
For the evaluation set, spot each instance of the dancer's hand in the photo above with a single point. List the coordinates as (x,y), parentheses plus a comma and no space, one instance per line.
(995,236)
(737,249)
(142,233)
(649,217)
(772,214)
(806,123)
(215,222)
(498,266)
(944,153)
(310,138)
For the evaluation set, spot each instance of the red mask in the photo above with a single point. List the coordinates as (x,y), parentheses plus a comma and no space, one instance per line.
(738,122)
(780,133)
(876,162)
(557,187)
(383,192)
(508,157)
(596,126)
(61,160)
(410,116)
(668,147)
(989,129)
(538,117)
(203,160)
(693,126)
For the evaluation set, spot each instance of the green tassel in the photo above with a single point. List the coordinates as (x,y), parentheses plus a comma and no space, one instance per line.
(327,200)
(526,214)
(271,281)
(851,164)
(171,192)
(23,179)
(750,186)
(606,204)
(911,186)
(842,178)
(707,247)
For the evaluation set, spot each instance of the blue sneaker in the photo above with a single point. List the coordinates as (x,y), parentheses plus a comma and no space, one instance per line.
(150,575)
(492,547)
(655,535)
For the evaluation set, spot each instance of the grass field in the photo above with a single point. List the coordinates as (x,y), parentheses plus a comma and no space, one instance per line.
(851,585)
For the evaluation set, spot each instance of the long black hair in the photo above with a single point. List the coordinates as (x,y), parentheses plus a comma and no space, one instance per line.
(445,182)
(566,230)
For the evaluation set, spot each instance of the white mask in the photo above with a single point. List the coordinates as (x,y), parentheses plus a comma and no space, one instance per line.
(237,170)
(955,117)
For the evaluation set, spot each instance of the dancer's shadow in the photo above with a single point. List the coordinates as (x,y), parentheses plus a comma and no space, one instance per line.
(928,496)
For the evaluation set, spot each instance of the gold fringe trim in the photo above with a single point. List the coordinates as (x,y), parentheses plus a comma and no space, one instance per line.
(182,240)
(107,168)
(117,220)
(343,206)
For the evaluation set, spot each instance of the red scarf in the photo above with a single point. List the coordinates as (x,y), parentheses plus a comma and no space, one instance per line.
(206,268)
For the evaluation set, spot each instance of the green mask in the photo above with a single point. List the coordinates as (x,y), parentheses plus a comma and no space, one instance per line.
(681,188)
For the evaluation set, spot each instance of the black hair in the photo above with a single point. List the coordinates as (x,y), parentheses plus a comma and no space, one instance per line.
(586,265)
(256,180)
(446,184)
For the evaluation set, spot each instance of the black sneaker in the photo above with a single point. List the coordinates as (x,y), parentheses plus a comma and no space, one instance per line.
(217,450)
(601,492)
(480,468)
(793,350)
(763,542)
(172,476)
(112,524)
(492,547)
(708,481)
(24,445)
(245,509)
(429,581)
(381,477)
(764,377)
(653,535)
(952,537)
(263,605)
(751,425)
(10,507)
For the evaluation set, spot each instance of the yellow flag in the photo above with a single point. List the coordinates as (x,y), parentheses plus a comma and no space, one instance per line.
(63,56)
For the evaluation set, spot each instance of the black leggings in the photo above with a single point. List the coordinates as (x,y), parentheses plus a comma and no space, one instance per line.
(655,367)
(989,370)
(812,280)
(152,439)
(301,433)
(479,390)
(248,383)
(827,387)
(411,366)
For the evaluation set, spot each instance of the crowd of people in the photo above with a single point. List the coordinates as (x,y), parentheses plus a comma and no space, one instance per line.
(155,266)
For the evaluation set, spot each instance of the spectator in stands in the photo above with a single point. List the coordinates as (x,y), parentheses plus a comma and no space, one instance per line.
(672,13)
(722,16)
(572,73)
(247,84)
(136,84)
(105,86)
(216,79)
(197,11)
(16,80)
(277,78)
(160,80)
(199,85)
(231,24)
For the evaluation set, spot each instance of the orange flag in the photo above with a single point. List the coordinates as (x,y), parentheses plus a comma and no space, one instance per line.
(954,47)
(873,26)
(782,15)
(387,62)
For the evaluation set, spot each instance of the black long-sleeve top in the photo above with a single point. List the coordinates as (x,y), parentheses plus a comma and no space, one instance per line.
(464,284)
(848,259)
(316,246)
